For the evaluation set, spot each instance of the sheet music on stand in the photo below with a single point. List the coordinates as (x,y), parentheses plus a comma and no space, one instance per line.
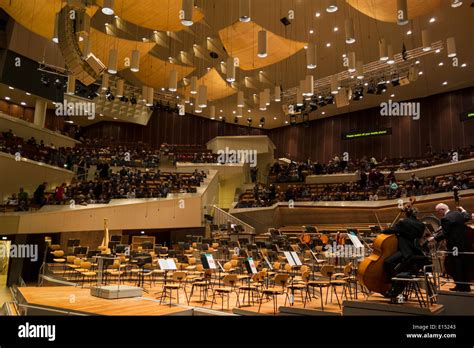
(270,267)
(167,265)
(220,266)
(315,257)
(251,266)
(355,240)
(292,258)
(208,261)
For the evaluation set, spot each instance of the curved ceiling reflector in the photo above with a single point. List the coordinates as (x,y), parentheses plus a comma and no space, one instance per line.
(153,14)
(217,87)
(101,44)
(37,16)
(386,10)
(241,40)
(154,72)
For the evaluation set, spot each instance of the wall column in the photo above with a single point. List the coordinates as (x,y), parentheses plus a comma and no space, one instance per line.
(40,112)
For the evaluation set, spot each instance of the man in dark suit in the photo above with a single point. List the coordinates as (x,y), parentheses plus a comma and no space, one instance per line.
(453,224)
(409,258)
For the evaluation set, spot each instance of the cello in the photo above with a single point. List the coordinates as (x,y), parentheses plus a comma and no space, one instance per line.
(371,272)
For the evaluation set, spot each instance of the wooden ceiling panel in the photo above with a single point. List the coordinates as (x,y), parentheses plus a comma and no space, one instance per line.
(155,72)
(102,43)
(217,87)
(386,10)
(153,14)
(241,40)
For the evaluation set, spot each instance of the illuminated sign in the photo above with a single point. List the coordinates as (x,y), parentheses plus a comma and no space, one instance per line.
(365,134)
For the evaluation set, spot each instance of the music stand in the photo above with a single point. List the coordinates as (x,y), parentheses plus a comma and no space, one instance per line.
(141,260)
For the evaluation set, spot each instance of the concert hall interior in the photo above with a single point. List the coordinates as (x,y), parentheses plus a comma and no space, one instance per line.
(236,157)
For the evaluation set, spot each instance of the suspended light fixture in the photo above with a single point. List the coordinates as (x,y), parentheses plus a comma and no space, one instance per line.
(244,11)
(113,61)
(105,81)
(87,47)
(262,44)
(194,83)
(187,100)
(144,93)
(451,47)
(186,14)
(173,81)
(266,91)
(352,62)
(311,56)
(240,99)
(230,70)
(202,96)
(309,86)
(391,57)
(349,28)
(108,8)
(426,40)
(263,103)
(212,111)
(334,85)
(150,96)
(331,6)
(135,64)
(383,50)
(56,29)
(456,3)
(277,94)
(120,88)
(240,112)
(299,97)
(198,109)
(360,70)
(71,85)
(402,12)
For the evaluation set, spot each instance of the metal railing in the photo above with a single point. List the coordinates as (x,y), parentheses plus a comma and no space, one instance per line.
(222,217)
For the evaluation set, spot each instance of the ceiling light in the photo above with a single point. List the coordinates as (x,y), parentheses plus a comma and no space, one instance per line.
(456,3)
(391,59)
(23,103)
(311,31)
(328,44)
(30,93)
(194,85)
(173,81)
(334,85)
(432,20)
(383,50)
(392,96)
(332,6)
(323,113)
(311,56)
(244,14)
(417,62)
(426,40)
(409,32)
(441,64)
(318,14)
(262,44)
(135,64)
(336,29)
(10,87)
(113,61)
(277,94)
(108,8)
(402,12)
(349,28)
(230,69)
(451,47)
(56,29)
(186,13)
(445,83)
(464,65)
(7,98)
(240,99)
(420,73)
(438,50)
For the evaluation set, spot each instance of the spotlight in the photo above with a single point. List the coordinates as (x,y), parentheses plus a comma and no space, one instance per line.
(371,88)
(381,88)
(236,120)
(395,81)
(45,80)
(358,93)
(58,83)
(456,3)
(285,21)
(124,99)
(249,121)
(262,121)
(110,97)
(108,8)
(133,100)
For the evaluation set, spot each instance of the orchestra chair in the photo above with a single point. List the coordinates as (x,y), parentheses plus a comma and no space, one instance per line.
(70,265)
(177,283)
(302,287)
(280,281)
(58,258)
(86,272)
(253,287)
(229,282)
(203,284)
(276,268)
(324,281)
(341,280)
(191,264)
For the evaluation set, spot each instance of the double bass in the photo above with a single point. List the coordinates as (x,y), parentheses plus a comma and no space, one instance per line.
(371,272)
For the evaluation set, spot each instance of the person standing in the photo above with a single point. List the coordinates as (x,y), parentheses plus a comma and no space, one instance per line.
(454,231)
